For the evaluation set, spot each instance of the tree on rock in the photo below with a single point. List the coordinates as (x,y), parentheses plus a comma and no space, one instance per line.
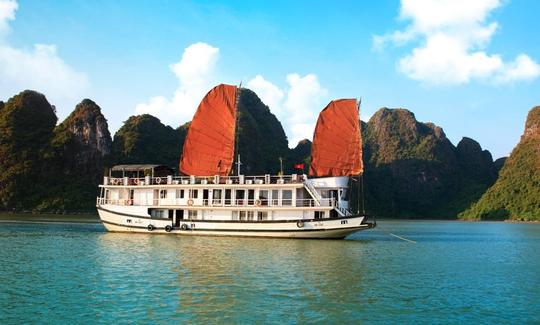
(27,122)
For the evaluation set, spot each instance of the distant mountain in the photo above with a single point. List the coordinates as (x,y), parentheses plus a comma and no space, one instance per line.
(27,123)
(260,136)
(143,139)
(80,146)
(301,154)
(412,170)
(516,193)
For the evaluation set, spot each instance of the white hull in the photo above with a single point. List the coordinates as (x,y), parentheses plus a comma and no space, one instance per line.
(321,228)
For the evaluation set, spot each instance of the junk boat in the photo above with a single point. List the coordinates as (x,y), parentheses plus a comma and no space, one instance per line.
(208,200)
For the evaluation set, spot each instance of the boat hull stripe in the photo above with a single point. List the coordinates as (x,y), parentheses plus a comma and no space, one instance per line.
(231,221)
(242,230)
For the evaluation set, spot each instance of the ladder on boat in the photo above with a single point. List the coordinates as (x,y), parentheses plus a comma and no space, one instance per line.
(308,185)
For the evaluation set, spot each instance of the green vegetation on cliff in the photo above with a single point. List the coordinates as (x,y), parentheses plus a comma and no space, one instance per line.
(413,171)
(50,168)
(261,139)
(27,122)
(516,193)
(79,147)
(143,139)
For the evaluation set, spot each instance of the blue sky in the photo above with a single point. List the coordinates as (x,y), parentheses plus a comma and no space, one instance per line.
(471,68)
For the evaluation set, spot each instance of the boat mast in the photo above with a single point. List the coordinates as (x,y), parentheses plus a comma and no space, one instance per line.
(360,181)
(236,133)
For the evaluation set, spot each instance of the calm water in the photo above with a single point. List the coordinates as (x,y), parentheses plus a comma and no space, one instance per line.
(456,272)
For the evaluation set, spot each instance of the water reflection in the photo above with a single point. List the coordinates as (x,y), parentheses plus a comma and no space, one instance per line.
(456,271)
(215,277)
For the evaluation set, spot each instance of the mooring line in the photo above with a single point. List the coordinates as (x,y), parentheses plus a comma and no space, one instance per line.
(405,239)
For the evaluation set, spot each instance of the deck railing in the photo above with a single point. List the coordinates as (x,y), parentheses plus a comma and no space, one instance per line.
(217,203)
(185,180)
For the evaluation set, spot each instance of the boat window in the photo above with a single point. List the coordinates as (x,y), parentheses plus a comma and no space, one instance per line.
(157,213)
(235,215)
(286,198)
(179,194)
(325,194)
(192,214)
(228,196)
(262,215)
(162,194)
(242,215)
(251,196)
(345,195)
(193,194)
(319,214)
(250,215)
(205,197)
(263,196)
(239,196)
(275,197)
(216,197)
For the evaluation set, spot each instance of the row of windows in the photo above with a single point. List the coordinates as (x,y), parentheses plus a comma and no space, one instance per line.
(265,196)
(236,215)
(250,215)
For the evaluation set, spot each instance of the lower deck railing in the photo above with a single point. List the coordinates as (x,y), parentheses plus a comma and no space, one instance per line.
(284,203)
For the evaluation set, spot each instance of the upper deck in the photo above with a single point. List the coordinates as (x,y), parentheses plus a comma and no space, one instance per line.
(293,180)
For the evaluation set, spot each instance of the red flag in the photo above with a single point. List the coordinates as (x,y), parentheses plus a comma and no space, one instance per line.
(299,166)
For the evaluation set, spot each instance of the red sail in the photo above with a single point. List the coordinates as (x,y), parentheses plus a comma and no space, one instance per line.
(209,145)
(337,142)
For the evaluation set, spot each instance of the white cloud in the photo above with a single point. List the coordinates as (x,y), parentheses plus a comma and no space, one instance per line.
(523,68)
(297,107)
(195,73)
(7,12)
(39,68)
(452,37)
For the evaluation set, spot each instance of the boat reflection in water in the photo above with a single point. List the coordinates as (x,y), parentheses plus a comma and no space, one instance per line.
(215,278)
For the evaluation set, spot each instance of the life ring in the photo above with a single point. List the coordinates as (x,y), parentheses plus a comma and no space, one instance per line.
(258,202)
(136,181)
(184,227)
(190,202)
(150,227)
(158,180)
(300,224)
(115,181)
(130,202)
(168,228)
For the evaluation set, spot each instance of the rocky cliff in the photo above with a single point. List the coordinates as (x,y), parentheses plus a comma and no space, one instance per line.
(88,128)
(412,170)
(301,154)
(516,193)
(260,136)
(27,122)
(143,139)
(79,149)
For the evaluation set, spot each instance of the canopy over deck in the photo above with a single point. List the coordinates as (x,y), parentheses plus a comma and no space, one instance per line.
(154,170)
